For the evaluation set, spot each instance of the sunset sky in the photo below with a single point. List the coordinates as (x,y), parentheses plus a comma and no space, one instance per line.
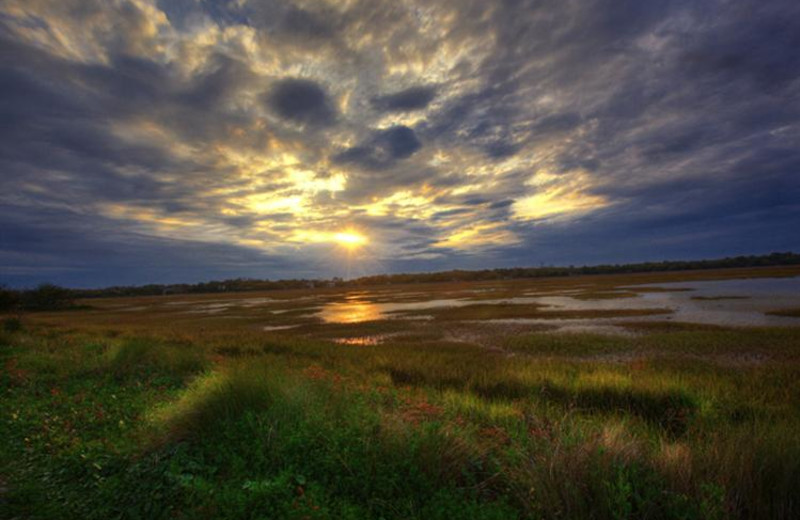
(187,140)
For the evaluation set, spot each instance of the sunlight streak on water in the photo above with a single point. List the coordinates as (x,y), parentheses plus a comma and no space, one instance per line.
(350,312)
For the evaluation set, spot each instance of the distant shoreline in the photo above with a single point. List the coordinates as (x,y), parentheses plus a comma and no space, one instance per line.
(252,285)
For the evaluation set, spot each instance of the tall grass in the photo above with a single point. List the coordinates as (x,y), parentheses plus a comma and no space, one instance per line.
(272,430)
(220,397)
(133,356)
(281,426)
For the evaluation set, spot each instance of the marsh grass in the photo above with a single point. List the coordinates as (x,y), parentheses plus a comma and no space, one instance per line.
(568,344)
(718,298)
(218,397)
(672,410)
(668,326)
(364,328)
(758,466)
(133,356)
(510,311)
(148,414)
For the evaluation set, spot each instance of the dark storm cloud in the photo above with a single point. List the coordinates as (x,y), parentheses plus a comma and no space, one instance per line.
(304,23)
(751,47)
(414,98)
(301,101)
(501,204)
(64,248)
(219,82)
(55,127)
(400,141)
(383,149)
(500,150)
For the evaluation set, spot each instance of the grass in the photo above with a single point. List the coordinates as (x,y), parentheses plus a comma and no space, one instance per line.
(514,311)
(136,356)
(143,417)
(406,430)
(668,326)
(718,298)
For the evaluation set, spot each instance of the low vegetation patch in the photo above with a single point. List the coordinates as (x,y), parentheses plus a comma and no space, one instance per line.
(668,326)
(134,356)
(568,344)
(669,409)
(718,298)
(513,311)
(144,415)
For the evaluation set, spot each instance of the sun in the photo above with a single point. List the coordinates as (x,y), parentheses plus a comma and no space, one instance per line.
(350,239)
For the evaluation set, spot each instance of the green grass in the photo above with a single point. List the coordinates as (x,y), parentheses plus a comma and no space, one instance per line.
(136,356)
(145,419)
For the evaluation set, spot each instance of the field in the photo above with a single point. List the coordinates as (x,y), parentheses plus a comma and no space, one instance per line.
(579,397)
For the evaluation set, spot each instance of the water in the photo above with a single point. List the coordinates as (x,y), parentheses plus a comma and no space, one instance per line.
(354,311)
(269,328)
(746,304)
(740,302)
(760,295)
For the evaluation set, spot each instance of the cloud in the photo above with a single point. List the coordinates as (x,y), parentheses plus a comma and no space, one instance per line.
(301,101)
(413,98)
(455,133)
(303,23)
(383,148)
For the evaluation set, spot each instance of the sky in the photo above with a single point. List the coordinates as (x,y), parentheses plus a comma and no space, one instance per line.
(160,141)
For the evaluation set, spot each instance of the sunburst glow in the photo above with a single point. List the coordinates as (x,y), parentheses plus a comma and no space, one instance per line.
(350,239)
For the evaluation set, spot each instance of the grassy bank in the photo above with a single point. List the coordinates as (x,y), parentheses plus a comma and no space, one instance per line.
(673,422)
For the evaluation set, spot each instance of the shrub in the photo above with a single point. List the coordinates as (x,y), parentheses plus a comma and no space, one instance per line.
(12,325)
(9,299)
(47,297)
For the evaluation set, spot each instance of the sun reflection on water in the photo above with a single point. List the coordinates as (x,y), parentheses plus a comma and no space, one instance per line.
(350,312)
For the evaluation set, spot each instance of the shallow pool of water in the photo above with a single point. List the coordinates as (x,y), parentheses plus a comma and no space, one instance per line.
(355,311)
(753,297)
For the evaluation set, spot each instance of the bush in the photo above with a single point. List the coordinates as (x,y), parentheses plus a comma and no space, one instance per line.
(9,299)
(47,297)
(12,325)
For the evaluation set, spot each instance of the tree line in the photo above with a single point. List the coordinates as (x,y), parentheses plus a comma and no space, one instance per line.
(51,297)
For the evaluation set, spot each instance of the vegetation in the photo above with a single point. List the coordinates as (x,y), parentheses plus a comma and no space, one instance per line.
(9,299)
(772,259)
(505,311)
(718,298)
(144,408)
(45,297)
(286,427)
(247,284)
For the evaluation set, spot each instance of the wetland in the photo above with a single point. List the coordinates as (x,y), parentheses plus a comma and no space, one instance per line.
(661,395)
